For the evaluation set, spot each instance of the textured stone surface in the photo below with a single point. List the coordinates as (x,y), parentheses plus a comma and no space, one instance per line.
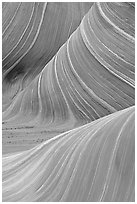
(68,101)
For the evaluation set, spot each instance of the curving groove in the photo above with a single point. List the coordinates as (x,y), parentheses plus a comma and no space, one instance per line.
(96,64)
(37,30)
(68,102)
(94,162)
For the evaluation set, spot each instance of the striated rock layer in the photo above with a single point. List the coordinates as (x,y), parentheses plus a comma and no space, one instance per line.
(69,84)
(32,34)
(94,162)
(92,74)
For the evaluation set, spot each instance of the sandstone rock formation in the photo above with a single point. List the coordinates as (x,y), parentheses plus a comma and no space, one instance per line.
(68,101)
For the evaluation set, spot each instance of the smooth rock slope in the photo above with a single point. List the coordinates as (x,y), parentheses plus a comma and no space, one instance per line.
(94,162)
(92,75)
(68,101)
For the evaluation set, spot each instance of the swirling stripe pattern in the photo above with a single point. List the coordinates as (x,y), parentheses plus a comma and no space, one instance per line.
(98,78)
(27,53)
(68,102)
(94,162)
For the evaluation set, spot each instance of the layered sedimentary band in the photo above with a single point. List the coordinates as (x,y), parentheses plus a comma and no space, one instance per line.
(92,75)
(94,162)
(37,31)
(69,84)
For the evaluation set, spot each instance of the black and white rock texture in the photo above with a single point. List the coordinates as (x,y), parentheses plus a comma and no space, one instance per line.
(68,101)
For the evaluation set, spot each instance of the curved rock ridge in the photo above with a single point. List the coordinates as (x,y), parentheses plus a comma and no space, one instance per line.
(91,163)
(92,75)
(69,84)
(32,33)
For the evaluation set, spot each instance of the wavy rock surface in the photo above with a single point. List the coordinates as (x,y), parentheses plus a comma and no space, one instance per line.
(69,84)
(94,162)
(92,75)
(37,31)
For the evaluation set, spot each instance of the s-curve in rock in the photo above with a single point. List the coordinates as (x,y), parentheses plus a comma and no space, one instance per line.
(32,33)
(92,74)
(95,162)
